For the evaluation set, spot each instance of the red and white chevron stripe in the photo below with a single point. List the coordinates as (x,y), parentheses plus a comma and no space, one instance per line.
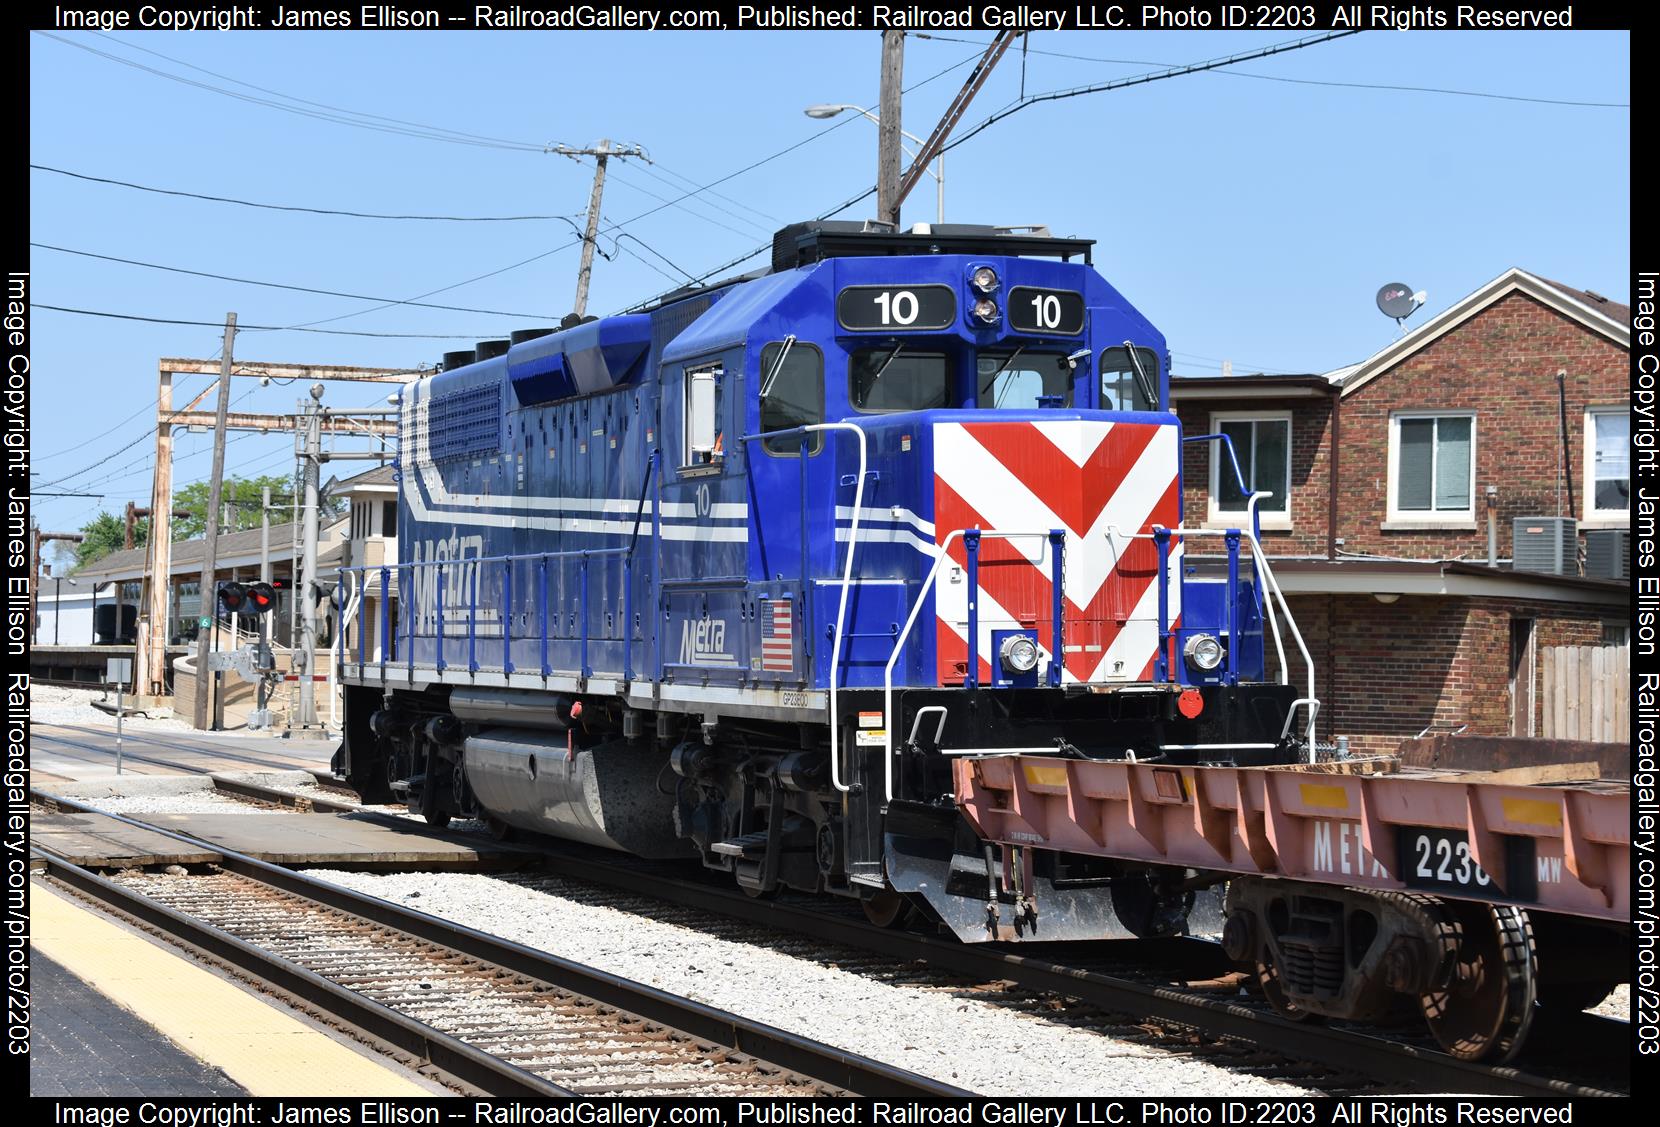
(1084,477)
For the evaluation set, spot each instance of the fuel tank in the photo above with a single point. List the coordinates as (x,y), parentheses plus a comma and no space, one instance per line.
(607,795)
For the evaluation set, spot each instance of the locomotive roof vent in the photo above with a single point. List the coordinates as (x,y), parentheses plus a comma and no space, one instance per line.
(801,244)
(519,336)
(489,348)
(454,360)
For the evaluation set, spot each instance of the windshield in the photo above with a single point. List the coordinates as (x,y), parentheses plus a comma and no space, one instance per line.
(909,381)
(1018,380)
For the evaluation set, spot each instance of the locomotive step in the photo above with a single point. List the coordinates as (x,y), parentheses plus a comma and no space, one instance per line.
(749,845)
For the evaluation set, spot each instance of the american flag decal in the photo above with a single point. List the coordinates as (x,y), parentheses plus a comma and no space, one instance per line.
(777,636)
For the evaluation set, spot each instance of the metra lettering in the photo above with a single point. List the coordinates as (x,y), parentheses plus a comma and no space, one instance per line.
(458,572)
(704,642)
(1349,856)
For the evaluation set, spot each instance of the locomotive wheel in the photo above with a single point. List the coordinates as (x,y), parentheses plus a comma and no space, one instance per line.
(887,909)
(1485,1012)
(499,829)
(437,819)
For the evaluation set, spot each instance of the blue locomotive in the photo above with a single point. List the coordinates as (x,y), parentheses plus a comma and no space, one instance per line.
(737,576)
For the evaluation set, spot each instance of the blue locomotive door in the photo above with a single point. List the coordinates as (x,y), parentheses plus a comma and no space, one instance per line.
(791,533)
(703,522)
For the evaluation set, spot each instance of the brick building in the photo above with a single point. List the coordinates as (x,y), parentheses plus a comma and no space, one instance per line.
(1389,476)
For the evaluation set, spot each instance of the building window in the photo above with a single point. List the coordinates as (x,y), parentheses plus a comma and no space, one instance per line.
(389,518)
(1432,459)
(1608,463)
(1262,444)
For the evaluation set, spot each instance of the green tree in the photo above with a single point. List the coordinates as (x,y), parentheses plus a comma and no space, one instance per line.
(241,497)
(106,533)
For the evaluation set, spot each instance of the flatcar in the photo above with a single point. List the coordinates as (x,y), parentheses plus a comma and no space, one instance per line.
(738,575)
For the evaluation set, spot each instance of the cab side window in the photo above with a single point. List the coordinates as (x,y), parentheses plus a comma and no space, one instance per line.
(1129,383)
(792,394)
(703,440)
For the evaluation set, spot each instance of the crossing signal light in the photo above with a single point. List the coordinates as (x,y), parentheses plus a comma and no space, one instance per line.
(262,598)
(233,597)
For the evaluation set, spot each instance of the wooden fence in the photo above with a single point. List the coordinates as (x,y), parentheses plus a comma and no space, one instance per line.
(1587,693)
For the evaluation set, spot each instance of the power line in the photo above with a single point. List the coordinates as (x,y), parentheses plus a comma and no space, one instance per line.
(352,118)
(267,328)
(277,285)
(1314,81)
(297,208)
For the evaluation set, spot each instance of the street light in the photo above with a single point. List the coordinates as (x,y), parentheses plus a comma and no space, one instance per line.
(821,112)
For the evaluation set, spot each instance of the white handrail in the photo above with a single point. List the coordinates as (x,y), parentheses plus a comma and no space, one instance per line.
(841,609)
(940,557)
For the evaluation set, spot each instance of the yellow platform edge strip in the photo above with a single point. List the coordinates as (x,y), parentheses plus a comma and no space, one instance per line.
(262,1047)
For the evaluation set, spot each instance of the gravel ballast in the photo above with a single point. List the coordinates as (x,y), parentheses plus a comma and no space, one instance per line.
(56,704)
(944,1032)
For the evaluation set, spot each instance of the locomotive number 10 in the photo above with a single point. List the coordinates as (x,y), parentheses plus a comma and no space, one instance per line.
(1034,310)
(872,308)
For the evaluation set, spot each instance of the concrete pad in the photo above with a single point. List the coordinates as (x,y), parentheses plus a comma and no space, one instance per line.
(345,841)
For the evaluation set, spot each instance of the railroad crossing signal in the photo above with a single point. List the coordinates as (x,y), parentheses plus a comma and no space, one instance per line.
(239,598)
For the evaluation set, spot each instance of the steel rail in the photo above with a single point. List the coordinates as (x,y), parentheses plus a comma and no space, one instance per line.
(1389,1061)
(791,1052)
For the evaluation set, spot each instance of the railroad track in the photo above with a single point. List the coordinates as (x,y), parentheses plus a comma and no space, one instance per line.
(1099,979)
(488,1014)
(1094,975)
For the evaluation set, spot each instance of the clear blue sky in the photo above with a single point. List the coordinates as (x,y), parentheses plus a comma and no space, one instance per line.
(1250,219)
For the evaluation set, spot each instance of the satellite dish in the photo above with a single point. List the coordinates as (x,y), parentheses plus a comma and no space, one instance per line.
(1397,300)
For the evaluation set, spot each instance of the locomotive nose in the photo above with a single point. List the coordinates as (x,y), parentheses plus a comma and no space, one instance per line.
(1087,491)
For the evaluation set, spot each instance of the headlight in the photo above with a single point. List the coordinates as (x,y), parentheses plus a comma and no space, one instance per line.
(1019,654)
(1203,652)
(985,310)
(985,279)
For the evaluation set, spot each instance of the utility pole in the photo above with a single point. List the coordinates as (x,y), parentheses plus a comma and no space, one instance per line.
(887,129)
(156,602)
(210,561)
(265,534)
(305,654)
(590,236)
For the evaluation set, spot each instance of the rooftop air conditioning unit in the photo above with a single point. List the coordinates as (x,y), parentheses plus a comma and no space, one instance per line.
(1608,553)
(1547,544)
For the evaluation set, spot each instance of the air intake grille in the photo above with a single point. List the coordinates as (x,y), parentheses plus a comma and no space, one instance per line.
(465,423)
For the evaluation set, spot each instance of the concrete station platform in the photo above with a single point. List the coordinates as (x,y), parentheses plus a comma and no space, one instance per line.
(119,1013)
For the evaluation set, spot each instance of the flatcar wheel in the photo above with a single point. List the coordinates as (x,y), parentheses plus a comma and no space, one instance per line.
(1485,1012)
(886,909)
(499,829)
(1268,981)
